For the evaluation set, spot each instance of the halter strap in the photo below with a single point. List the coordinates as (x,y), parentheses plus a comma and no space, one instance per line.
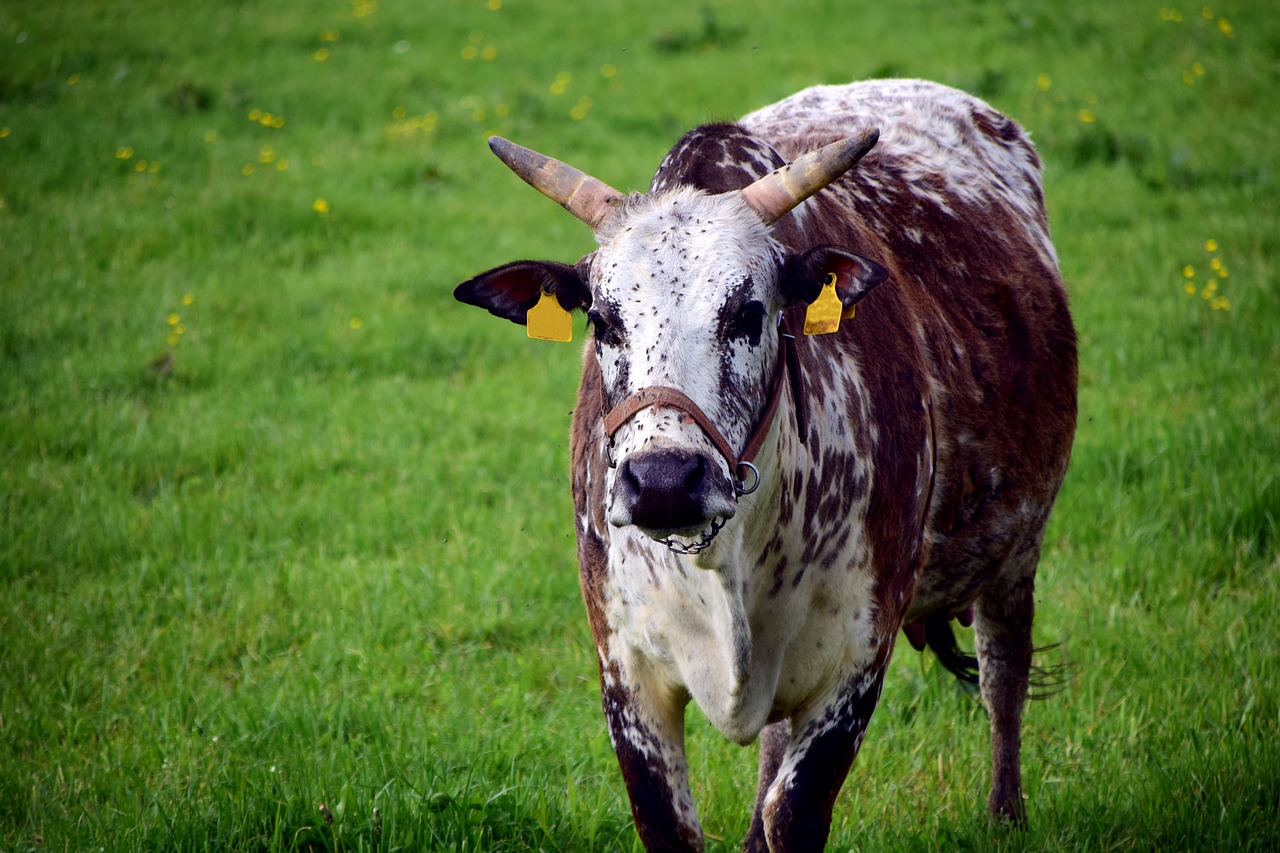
(665,396)
(662,395)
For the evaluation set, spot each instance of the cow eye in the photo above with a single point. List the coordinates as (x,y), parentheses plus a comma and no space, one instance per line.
(750,322)
(599,326)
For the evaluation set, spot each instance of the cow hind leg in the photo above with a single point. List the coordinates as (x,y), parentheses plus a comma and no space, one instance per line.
(774,739)
(1002,628)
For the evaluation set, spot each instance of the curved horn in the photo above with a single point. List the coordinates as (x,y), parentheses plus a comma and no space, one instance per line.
(585,197)
(778,192)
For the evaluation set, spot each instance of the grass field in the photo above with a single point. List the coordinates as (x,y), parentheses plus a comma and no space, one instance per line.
(285,536)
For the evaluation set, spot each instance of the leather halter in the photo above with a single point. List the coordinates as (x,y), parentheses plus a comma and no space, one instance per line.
(666,396)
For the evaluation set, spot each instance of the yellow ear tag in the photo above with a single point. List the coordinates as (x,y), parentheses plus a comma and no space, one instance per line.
(823,314)
(547,321)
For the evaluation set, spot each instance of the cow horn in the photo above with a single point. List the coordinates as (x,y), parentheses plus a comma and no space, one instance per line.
(585,197)
(778,192)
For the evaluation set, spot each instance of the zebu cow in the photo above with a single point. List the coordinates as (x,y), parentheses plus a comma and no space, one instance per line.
(759,511)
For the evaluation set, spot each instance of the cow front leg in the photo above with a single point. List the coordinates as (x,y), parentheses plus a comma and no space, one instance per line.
(1002,630)
(646,726)
(796,813)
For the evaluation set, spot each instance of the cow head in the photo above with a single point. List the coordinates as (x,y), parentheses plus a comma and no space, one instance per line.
(683,298)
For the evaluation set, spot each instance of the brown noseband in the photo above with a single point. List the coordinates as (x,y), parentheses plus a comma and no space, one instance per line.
(662,395)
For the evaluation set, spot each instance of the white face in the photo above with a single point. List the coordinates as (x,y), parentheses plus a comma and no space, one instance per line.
(684,295)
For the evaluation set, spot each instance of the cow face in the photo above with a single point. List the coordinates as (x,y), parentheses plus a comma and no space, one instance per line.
(684,294)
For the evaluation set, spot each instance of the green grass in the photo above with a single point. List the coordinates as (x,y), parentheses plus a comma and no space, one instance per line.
(317,550)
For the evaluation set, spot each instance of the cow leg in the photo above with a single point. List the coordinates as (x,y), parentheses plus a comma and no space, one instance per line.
(774,739)
(648,738)
(1002,628)
(823,743)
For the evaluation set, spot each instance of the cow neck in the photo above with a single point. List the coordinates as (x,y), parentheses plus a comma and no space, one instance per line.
(786,373)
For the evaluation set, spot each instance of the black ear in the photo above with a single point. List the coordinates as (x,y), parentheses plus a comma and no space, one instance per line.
(509,291)
(803,275)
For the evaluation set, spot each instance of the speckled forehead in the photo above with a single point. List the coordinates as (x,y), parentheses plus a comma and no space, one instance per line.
(680,239)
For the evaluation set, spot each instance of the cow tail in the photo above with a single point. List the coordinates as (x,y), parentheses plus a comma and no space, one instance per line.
(939,637)
(1046,681)
(1052,679)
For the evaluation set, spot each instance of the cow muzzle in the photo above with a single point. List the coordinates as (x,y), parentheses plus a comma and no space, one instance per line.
(671,491)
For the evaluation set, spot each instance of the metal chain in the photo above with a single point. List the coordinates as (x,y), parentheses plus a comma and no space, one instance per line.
(688,548)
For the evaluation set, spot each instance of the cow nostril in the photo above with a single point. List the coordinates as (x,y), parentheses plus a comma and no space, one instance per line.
(693,480)
(627,474)
(664,489)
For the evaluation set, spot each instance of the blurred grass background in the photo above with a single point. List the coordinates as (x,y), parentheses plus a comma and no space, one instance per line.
(282,525)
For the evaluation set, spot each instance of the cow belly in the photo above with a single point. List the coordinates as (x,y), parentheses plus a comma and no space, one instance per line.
(965,560)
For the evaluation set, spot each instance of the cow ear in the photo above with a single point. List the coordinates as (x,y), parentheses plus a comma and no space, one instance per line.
(509,291)
(804,275)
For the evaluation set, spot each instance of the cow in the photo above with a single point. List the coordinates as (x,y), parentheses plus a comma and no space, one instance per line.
(769,482)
